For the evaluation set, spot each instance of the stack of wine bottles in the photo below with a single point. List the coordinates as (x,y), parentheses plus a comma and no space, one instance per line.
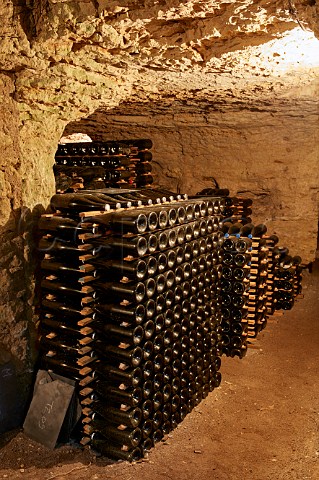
(96,165)
(249,288)
(143,290)
(270,245)
(234,284)
(130,309)
(239,209)
(287,279)
(257,295)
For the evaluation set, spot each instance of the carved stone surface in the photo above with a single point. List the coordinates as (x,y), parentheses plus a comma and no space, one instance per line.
(212,83)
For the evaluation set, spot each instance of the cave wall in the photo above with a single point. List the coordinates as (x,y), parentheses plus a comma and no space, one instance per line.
(271,157)
(15,262)
(61,60)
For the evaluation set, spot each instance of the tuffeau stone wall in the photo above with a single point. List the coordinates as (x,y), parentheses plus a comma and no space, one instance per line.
(194,76)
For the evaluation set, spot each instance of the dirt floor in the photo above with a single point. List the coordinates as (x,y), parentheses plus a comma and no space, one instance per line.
(260,424)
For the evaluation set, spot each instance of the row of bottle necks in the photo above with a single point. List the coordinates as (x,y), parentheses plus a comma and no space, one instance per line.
(77,184)
(195,256)
(109,178)
(108,147)
(134,245)
(145,196)
(161,196)
(188,279)
(177,210)
(96,337)
(186,262)
(118,337)
(188,287)
(162,330)
(111,359)
(133,345)
(181,295)
(142,161)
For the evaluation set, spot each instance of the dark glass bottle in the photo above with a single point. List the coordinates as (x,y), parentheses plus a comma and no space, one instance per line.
(65,366)
(66,329)
(117,269)
(113,395)
(131,418)
(66,311)
(129,437)
(132,314)
(131,336)
(103,446)
(132,377)
(124,246)
(133,292)
(131,356)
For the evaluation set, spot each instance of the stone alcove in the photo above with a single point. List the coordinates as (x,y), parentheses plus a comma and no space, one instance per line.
(227,91)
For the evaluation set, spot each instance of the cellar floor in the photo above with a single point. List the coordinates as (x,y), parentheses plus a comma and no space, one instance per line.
(261,424)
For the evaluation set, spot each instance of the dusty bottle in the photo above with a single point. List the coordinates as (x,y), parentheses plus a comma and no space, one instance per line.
(125,246)
(131,377)
(130,437)
(130,356)
(69,330)
(131,418)
(65,366)
(117,312)
(134,292)
(116,333)
(67,311)
(131,396)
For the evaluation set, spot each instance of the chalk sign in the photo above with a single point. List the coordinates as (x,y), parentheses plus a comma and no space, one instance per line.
(48,408)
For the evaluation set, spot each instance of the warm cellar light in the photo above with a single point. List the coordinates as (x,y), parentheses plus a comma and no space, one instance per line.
(296,48)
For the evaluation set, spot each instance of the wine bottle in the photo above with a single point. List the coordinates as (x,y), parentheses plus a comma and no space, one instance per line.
(133,292)
(54,246)
(117,334)
(120,313)
(129,437)
(65,366)
(117,269)
(147,409)
(130,356)
(111,451)
(68,330)
(128,376)
(69,346)
(124,246)
(84,201)
(131,396)
(259,230)
(112,415)
(66,311)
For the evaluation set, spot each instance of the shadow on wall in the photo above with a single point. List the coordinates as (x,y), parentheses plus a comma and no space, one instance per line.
(19,263)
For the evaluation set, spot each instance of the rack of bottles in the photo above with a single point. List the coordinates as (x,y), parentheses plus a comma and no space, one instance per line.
(130,309)
(143,291)
(287,279)
(95,165)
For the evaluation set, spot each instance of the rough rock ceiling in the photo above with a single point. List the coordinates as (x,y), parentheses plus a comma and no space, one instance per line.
(71,57)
